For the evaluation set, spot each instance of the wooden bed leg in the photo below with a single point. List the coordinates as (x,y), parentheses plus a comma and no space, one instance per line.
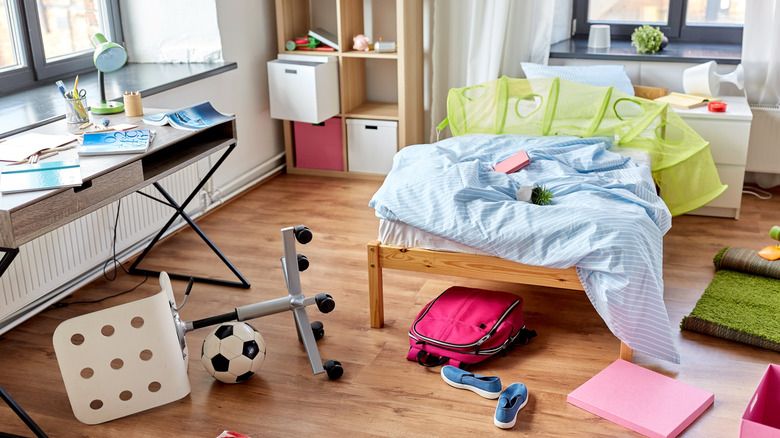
(626,353)
(375,293)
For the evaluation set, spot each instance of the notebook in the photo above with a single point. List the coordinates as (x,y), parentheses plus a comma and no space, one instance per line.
(40,176)
(513,163)
(641,400)
(116,142)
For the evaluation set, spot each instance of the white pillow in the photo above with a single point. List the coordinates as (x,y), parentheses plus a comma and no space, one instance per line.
(596,75)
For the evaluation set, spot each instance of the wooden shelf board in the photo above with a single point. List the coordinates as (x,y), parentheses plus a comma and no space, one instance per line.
(374,110)
(309,53)
(334,173)
(372,55)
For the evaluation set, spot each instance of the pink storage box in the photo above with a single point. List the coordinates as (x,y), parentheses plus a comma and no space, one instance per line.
(319,146)
(761,417)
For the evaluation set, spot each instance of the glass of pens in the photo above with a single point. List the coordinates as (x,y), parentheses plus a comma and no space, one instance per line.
(75,103)
(76,108)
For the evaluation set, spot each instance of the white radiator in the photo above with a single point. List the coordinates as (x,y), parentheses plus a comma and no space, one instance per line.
(764,149)
(55,264)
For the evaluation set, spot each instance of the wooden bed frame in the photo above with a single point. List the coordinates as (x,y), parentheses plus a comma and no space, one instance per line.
(481,267)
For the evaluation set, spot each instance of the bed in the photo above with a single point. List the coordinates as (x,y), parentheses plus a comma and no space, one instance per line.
(603,234)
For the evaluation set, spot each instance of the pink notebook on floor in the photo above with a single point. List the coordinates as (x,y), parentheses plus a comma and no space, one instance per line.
(641,400)
(513,163)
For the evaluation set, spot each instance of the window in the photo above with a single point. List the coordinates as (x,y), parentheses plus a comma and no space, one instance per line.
(698,21)
(45,39)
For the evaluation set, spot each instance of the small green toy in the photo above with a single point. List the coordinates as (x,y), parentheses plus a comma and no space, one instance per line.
(647,39)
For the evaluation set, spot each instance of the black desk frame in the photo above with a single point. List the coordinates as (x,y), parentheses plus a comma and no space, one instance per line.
(242,283)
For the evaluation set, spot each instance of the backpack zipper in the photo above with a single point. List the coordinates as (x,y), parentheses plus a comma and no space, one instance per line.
(414,334)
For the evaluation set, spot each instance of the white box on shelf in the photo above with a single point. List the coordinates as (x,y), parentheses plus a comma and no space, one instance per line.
(371,145)
(303,88)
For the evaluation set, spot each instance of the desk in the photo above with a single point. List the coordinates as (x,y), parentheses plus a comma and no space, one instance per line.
(25,216)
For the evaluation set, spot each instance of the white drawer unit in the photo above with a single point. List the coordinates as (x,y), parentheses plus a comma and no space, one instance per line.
(303,88)
(728,133)
(371,145)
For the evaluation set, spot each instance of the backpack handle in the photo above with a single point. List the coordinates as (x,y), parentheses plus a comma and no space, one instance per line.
(430,360)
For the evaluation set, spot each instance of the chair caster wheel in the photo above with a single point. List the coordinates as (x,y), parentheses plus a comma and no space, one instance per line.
(303,263)
(334,369)
(317,330)
(325,303)
(302,234)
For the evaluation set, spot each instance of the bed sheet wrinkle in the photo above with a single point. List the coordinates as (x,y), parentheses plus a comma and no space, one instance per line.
(606,218)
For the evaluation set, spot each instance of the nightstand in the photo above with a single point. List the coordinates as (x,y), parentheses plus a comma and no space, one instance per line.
(728,133)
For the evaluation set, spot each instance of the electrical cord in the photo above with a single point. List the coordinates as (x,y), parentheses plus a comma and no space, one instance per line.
(105,273)
(758,193)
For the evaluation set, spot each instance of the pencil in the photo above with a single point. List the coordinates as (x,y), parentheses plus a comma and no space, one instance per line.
(76,87)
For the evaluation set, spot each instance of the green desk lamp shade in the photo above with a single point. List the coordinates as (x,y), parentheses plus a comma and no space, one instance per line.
(109,56)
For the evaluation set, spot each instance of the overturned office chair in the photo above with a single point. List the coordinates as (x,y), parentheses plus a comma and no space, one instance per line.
(133,357)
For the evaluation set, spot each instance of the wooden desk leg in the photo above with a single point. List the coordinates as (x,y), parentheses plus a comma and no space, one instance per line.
(626,353)
(375,293)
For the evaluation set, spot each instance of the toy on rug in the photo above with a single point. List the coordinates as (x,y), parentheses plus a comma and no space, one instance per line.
(772,252)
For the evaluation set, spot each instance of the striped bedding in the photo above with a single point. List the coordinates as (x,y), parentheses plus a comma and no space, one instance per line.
(606,218)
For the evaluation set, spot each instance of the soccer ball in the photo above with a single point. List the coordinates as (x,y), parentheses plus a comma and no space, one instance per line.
(233,352)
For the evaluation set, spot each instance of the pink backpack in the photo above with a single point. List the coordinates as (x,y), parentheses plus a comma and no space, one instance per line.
(463,326)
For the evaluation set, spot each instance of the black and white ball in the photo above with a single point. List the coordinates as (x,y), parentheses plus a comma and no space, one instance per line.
(233,352)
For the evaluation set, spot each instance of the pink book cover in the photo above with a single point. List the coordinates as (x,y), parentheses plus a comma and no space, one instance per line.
(513,163)
(641,400)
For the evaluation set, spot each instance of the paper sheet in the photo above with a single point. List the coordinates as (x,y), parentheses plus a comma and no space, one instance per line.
(20,147)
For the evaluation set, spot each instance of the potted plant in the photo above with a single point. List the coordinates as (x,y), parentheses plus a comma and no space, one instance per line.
(648,39)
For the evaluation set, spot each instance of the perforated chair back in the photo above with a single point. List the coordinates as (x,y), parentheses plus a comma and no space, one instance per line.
(122,360)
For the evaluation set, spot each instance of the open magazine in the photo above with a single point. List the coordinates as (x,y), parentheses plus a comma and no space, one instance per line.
(192,118)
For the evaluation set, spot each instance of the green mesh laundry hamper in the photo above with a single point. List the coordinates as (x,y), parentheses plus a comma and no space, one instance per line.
(682,165)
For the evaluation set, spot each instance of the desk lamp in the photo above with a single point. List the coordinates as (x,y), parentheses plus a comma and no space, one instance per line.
(109,56)
(703,80)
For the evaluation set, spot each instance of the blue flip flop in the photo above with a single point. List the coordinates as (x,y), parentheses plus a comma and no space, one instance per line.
(514,398)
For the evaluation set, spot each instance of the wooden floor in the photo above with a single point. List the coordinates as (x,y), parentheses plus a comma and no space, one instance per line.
(382,394)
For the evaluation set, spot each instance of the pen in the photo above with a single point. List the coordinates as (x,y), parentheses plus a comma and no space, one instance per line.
(61,87)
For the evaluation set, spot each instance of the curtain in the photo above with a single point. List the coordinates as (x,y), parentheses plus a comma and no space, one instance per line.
(474,41)
(761,59)
(761,51)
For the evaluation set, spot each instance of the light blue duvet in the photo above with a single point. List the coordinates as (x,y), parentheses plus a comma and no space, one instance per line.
(606,218)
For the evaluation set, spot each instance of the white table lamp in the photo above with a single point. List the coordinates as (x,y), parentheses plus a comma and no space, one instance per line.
(703,80)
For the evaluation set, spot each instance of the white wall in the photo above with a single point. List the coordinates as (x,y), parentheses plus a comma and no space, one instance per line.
(247,30)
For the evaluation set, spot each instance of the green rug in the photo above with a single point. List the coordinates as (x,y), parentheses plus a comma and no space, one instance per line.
(739,306)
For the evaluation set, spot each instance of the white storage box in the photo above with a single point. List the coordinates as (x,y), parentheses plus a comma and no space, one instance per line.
(303,88)
(371,145)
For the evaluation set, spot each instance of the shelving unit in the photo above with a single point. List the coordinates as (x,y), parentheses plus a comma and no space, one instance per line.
(293,18)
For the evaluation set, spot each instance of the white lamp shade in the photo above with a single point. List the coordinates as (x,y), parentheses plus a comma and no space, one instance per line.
(703,80)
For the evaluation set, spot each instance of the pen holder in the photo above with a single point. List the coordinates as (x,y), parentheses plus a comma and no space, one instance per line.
(76,110)
(133,106)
